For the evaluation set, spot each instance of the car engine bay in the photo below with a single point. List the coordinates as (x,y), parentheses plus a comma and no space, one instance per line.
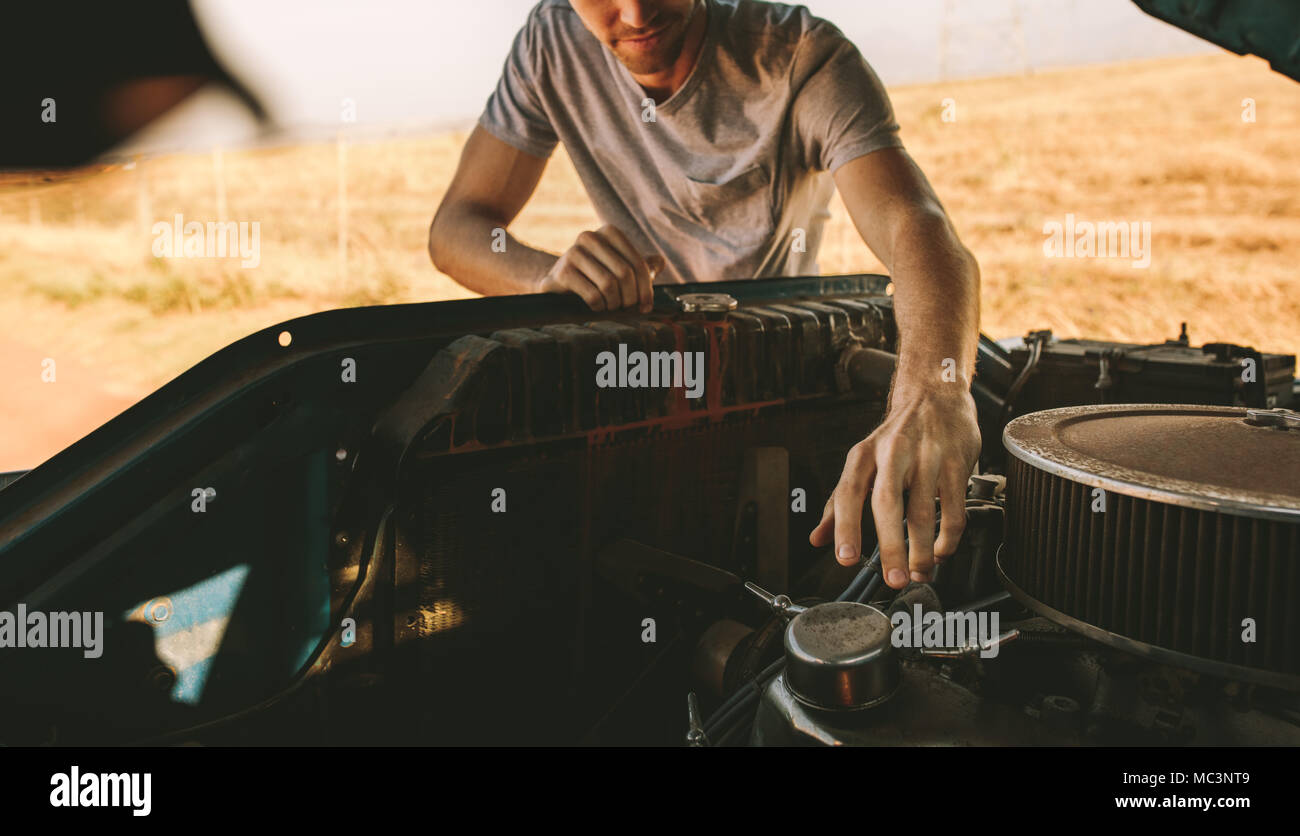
(481,545)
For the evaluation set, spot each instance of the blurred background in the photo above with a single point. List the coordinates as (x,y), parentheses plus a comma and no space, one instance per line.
(1020,113)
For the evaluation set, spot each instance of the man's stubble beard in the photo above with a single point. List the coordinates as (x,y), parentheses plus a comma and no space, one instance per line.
(666,55)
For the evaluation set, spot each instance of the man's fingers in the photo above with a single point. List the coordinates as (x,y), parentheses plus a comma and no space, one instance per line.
(848,524)
(821,535)
(623,262)
(887,508)
(847,501)
(602,264)
(654,266)
(605,264)
(640,281)
(920,525)
(577,283)
(593,269)
(952,501)
(645,267)
(565,277)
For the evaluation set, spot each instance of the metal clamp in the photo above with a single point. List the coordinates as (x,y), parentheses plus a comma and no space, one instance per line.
(970,649)
(695,736)
(1277,417)
(780,604)
(712,305)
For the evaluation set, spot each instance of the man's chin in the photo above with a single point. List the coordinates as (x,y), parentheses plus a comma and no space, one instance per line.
(644,64)
(657,61)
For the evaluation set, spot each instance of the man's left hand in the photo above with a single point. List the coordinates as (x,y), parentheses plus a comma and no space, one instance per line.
(927,445)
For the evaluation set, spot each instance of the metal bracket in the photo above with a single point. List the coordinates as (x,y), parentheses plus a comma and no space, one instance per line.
(761,543)
(1277,418)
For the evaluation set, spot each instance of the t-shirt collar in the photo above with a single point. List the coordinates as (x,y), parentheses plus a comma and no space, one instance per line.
(707,47)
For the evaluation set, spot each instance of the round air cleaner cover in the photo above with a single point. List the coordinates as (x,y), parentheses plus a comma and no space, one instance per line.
(1168,531)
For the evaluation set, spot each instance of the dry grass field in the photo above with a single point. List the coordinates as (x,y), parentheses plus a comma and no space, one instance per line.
(1161,141)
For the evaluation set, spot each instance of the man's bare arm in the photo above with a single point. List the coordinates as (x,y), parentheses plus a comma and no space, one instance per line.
(492,183)
(929,440)
(469,239)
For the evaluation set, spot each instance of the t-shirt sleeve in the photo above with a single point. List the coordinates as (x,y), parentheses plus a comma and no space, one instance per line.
(514,113)
(841,110)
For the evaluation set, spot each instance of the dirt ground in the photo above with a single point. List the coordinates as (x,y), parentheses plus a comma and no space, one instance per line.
(1160,142)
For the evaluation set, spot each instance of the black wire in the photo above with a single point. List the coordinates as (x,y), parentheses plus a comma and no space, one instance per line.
(872,586)
(862,578)
(739,704)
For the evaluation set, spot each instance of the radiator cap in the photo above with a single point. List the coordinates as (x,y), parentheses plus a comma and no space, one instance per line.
(838,656)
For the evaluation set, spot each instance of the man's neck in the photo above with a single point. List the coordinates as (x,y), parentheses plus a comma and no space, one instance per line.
(662,85)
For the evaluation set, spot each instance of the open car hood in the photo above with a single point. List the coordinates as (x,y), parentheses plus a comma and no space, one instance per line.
(1267,28)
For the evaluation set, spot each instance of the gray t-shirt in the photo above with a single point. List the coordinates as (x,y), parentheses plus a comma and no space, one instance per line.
(731,179)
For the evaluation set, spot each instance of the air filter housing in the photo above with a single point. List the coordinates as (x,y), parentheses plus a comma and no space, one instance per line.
(1172,532)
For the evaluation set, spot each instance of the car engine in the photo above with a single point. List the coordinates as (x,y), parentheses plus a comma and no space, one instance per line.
(481,544)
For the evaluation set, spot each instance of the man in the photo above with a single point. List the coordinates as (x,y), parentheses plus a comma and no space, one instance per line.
(709,134)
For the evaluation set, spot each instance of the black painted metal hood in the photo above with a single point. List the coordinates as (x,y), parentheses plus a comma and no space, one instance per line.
(1267,28)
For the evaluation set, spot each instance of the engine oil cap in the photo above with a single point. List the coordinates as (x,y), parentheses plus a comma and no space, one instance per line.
(839,656)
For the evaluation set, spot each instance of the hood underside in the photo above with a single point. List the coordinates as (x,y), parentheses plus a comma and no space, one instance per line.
(1266,28)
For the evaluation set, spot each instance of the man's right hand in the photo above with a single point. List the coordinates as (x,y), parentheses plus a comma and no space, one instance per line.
(606,271)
